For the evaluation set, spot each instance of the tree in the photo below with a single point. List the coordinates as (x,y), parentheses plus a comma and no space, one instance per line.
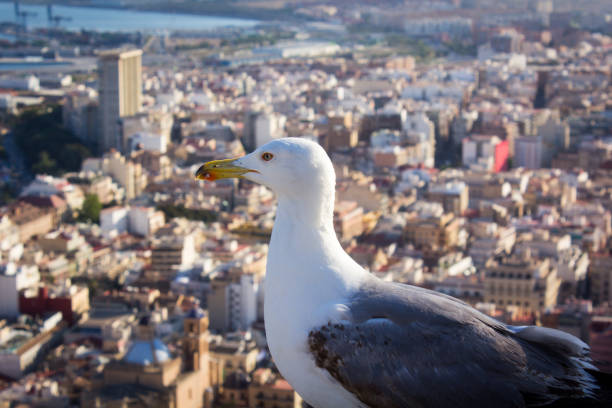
(45,164)
(91,209)
(47,146)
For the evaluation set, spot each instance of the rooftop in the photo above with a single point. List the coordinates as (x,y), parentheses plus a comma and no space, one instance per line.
(144,352)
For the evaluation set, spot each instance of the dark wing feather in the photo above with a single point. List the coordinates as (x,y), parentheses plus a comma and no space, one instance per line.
(409,347)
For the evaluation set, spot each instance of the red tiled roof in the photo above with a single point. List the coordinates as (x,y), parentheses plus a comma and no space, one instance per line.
(52,201)
(282,385)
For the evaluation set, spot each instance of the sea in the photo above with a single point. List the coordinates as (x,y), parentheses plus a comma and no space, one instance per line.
(117,20)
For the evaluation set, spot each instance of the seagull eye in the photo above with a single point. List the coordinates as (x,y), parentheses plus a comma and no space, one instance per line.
(267,156)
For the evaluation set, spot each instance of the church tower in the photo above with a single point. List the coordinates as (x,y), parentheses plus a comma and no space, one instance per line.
(195,342)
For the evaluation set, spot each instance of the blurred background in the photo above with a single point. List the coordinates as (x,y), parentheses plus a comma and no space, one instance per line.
(472,142)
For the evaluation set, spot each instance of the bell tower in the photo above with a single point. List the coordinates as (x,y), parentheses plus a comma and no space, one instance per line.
(195,342)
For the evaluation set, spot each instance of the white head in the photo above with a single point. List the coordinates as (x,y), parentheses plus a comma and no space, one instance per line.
(296,169)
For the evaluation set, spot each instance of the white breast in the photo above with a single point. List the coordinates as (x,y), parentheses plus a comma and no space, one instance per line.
(301,295)
(288,342)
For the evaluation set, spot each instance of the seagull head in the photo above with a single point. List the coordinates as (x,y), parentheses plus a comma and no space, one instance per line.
(291,167)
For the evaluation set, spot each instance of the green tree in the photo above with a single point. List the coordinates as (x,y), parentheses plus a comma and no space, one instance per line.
(91,209)
(45,164)
(47,146)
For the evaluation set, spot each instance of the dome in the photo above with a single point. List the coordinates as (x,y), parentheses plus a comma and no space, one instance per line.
(146,352)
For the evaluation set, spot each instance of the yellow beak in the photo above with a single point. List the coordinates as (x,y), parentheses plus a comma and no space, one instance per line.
(219,169)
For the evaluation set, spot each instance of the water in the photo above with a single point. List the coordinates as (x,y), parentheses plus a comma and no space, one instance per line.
(99,19)
(7,37)
(31,66)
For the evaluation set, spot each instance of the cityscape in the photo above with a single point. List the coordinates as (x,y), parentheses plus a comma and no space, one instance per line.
(471,141)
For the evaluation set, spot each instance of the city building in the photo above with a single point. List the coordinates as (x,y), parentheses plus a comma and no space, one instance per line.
(600,336)
(348,220)
(124,171)
(432,229)
(71,300)
(31,220)
(528,152)
(234,352)
(81,116)
(13,279)
(120,93)
(262,127)
(600,272)
(232,303)
(149,374)
(268,390)
(453,196)
(339,132)
(485,153)
(24,346)
(521,280)
(169,254)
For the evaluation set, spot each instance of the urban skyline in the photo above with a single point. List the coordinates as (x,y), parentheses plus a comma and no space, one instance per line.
(472,144)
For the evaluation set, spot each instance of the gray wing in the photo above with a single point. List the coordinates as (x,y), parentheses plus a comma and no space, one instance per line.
(410,347)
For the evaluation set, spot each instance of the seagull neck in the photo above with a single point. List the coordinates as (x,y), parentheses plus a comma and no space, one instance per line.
(306,213)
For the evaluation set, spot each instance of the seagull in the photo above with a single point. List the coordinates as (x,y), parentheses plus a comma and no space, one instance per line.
(344,338)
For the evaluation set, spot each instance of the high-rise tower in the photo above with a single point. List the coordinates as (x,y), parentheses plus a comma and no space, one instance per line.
(120,92)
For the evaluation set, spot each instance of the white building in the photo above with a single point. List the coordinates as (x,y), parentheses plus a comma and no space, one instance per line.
(384,138)
(9,233)
(27,83)
(455,264)
(420,131)
(431,91)
(144,221)
(8,103)
(248,301)
(480,153)
(232,303)
(292,49)
(154,122)
(425,26)
(269,126)
(21,350)
(125,172)
(14,278)
(572,265)
(148,141)
(114,220)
